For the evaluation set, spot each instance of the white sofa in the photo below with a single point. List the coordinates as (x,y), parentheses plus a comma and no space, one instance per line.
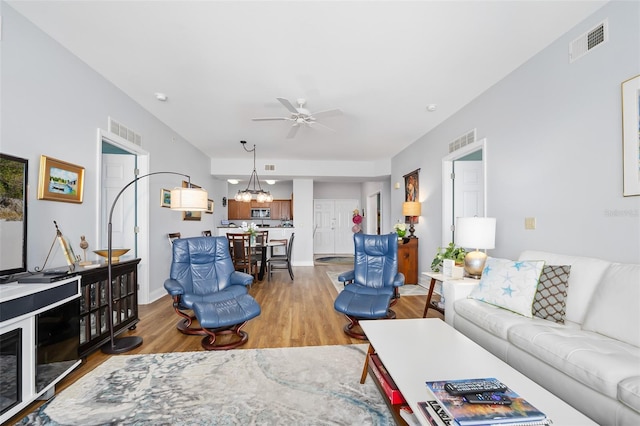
(592,361)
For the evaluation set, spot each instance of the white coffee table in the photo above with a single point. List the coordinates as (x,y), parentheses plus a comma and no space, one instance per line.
(416,350)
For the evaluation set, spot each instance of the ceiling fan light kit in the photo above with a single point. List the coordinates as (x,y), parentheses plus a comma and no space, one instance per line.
(301,116)
(247,195)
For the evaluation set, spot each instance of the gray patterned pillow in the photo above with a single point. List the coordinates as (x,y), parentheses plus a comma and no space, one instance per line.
(551,296)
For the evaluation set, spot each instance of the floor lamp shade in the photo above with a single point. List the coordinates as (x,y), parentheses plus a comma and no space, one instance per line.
(476,233)
(188,199)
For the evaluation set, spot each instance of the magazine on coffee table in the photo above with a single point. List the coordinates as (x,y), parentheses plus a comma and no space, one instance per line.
(519,412)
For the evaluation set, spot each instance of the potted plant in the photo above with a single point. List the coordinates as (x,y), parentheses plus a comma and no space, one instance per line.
(451,252)
(401,229)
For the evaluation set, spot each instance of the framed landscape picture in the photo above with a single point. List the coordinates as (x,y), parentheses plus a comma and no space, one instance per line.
(631,136)
(60,181)
(165,198)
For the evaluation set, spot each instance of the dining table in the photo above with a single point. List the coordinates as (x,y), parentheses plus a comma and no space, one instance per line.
(264,248)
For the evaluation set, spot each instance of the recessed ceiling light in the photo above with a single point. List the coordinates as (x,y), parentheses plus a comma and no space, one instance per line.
(432,107)
(270,181)
(233,181)
(161,97)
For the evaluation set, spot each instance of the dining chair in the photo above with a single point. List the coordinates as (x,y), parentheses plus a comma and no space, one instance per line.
(279,261)
(242,254)
(206,233)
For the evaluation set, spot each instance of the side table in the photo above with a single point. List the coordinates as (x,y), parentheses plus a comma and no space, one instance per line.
(438,277)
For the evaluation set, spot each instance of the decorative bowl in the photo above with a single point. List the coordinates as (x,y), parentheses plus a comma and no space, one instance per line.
(115,253)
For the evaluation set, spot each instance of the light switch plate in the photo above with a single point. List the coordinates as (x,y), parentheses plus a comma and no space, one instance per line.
(529,223)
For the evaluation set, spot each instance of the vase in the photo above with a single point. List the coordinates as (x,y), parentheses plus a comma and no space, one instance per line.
(252,240)
(401,233)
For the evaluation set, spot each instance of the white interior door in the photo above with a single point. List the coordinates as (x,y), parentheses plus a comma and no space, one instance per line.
(117,171)
(468,189)
(324,224)
(332,224)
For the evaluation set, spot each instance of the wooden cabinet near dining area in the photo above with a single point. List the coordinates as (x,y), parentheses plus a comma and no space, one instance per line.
(408,259)
(239,210)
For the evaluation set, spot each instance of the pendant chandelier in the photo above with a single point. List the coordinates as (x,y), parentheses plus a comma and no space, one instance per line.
(247,195)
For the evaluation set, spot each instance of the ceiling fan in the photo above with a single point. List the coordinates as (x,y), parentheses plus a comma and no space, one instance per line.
(301,116)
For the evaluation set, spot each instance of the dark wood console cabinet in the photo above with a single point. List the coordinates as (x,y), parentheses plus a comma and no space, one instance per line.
(94,326)
(408,259)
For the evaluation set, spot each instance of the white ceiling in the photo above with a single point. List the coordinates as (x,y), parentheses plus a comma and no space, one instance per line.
(381,62)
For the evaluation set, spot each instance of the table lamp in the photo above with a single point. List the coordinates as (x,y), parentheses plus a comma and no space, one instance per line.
(478,233)
(413,210)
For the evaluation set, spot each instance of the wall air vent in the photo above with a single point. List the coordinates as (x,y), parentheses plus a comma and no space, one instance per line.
(589,41)
(463,140)
(124,132)
(270,167)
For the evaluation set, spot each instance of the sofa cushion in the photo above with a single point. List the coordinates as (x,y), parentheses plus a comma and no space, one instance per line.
(590,358)
(585,276)
(629,392)
(615,307)
(490,318)
(509,284)
(550,300)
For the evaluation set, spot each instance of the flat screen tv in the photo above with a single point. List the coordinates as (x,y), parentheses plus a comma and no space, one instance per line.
(13,215)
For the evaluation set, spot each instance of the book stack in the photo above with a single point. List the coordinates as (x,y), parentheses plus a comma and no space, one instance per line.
(386,382)
(450,410)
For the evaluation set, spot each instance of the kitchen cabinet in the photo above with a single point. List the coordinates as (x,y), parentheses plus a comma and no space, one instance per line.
(94,304)
(238,210)
(408,259)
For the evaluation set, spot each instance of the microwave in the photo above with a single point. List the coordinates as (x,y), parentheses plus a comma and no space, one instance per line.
(261,213)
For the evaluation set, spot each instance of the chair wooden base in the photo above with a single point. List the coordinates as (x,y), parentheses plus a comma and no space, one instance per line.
(184,326)
(208,342)
(354,330)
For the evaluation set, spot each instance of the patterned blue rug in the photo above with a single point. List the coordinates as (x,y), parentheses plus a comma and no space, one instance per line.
(283,386)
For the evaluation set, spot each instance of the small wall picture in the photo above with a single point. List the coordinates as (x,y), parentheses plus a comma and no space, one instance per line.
(191,215)
(209,206)
(165,198)
(60,181)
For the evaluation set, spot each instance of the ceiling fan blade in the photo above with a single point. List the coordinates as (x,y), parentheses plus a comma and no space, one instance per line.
(327,113)
(288,105)
(315,123)
(293,131)
(270,118)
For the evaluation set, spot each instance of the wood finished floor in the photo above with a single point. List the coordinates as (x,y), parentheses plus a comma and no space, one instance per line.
(294,313)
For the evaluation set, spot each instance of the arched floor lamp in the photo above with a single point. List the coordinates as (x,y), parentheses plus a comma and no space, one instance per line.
(182,199)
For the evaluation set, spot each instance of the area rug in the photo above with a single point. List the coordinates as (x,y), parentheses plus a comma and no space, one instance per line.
(317,385)
(334,260)
(405,290)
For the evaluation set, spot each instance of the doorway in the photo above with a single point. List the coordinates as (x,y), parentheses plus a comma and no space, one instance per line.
(332,224)
(464,186)
(374,215)
(131,216)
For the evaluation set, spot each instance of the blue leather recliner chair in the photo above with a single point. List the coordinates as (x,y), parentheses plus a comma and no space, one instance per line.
(203,280)
(372,285)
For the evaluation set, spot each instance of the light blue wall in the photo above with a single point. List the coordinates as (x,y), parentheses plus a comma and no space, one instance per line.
(52,104)
(554,150)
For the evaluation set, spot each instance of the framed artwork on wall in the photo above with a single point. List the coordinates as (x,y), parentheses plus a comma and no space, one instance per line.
(631,136)
(191,215)
(209,206)
(165,198)
(60,181)
(411,188)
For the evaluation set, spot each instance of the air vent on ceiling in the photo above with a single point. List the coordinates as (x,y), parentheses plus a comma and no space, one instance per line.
(124,132)
(269,167)
(589,41)
(463,140)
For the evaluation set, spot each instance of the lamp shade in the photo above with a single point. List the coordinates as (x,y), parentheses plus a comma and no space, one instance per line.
(188,199)
(411,208)
(476,232)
